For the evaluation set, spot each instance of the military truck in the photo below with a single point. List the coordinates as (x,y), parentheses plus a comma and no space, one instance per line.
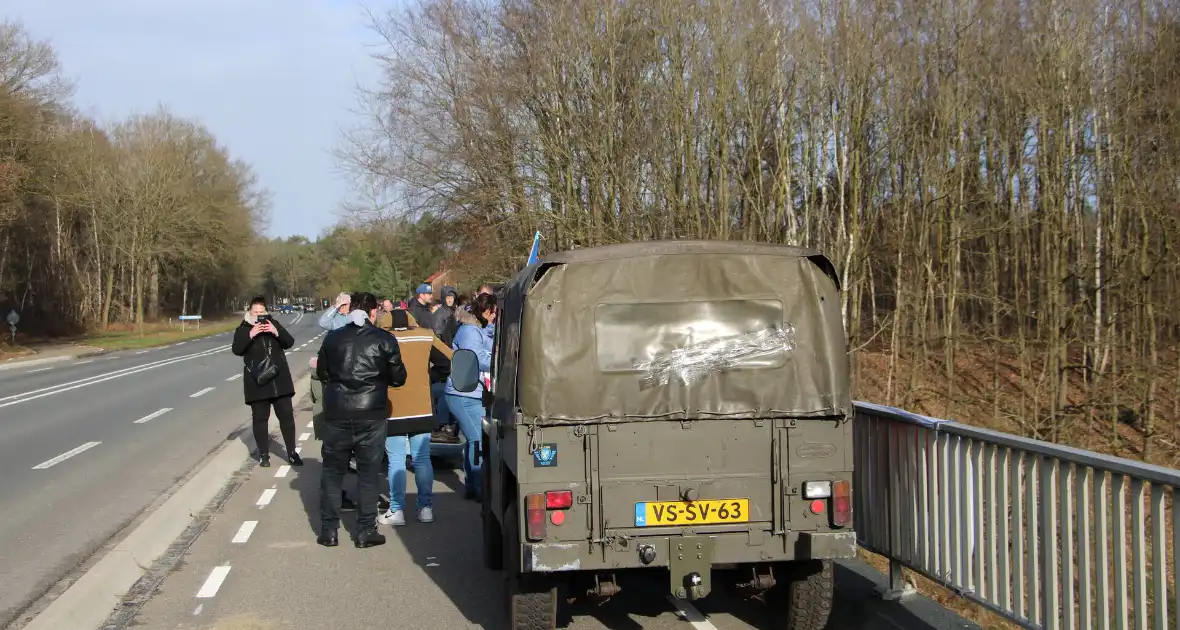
(676,407)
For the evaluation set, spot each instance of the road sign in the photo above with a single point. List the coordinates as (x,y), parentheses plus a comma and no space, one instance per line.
(185,318)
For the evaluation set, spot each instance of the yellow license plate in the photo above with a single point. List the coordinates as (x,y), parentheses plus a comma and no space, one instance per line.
(703,512)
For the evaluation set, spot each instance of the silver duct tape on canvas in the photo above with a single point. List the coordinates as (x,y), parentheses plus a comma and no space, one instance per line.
(690,364)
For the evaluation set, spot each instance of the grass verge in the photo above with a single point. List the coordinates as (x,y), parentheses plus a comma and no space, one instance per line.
(156,334)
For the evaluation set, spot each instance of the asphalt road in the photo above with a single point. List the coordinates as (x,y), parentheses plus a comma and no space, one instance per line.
(256,566)
(87,445)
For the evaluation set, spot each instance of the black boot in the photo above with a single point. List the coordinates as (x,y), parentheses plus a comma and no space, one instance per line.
(264,461)
(369,538)
(294,458)
(329,537)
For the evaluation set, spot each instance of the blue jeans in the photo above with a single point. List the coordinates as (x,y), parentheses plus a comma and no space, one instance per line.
(442,415)
(395,448)
(469,413)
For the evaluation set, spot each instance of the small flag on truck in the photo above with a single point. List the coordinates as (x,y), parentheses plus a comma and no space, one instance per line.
(535,251)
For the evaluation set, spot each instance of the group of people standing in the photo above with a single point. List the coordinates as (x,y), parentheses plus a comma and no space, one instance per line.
(394,362)
(385,371)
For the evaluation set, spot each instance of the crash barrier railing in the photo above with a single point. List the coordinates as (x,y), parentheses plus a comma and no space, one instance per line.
(1047,536)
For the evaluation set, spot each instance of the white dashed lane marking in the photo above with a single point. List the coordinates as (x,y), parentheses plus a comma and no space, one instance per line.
(202,392)
(153,415)
(234,377)
(689,613)
(304,436)
(213,582)
(66,455)
(266,497)
(282,471)
(311,425)
(84,362)
(39,370)
(244,532)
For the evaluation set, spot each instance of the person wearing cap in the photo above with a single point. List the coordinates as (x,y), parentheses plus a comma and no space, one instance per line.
(411,419)
(420,306)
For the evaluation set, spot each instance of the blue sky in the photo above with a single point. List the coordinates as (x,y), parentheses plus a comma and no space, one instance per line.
(272,79)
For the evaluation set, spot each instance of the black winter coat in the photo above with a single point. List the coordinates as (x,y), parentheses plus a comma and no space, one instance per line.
(358,365)
(252,350)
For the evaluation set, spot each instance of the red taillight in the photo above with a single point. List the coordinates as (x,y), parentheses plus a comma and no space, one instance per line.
(841,503)
(559,499)
(534,514)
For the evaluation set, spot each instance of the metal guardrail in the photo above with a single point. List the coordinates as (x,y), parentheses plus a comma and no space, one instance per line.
(1034,531)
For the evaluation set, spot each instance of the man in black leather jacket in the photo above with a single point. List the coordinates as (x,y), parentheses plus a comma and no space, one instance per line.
(357,365)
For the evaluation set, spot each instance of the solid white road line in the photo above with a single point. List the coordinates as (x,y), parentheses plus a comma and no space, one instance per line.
(689,613)
(244,532)
(267,495)
(202,392)
(153,415)
(38,370)
(304,436)
(282,471)
(234,377)
(66,455)
(65,387)
(213,582)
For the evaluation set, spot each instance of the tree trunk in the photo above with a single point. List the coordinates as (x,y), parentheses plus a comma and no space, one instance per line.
(154,290)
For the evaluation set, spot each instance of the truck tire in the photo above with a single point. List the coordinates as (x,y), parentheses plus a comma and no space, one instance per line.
(493,538)
(802,600)
(532,604)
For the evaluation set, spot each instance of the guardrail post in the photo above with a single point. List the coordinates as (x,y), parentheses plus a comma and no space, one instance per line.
(897,588)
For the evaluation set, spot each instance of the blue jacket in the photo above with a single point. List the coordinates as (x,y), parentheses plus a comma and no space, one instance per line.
(331,319)
(471,336)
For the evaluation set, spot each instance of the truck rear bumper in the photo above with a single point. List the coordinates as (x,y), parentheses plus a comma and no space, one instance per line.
(727,549)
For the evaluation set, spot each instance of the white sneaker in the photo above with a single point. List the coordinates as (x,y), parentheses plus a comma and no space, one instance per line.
(396,518)
(426,515)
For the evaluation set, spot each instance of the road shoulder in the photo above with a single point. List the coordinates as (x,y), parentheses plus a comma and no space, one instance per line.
(88,599)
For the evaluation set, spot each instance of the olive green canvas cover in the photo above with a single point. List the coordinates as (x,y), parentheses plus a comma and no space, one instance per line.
(681,330)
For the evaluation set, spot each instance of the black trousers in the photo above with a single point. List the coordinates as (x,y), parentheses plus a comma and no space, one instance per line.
(342,440)
(260,410)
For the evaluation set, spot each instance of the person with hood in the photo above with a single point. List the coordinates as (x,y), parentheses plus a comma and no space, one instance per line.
(467,407)
(357,364)
(445,325)
(411,419)
(266,380)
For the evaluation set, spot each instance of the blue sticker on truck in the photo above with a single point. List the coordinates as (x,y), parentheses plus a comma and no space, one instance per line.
(545,456)
(641,514)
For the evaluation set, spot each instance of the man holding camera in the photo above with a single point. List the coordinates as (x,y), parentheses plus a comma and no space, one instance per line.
(336,316)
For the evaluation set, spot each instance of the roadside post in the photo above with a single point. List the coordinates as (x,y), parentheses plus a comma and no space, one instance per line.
(13,319)
(184,318)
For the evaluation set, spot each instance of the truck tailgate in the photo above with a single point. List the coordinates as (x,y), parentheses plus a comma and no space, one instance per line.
(648,470)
